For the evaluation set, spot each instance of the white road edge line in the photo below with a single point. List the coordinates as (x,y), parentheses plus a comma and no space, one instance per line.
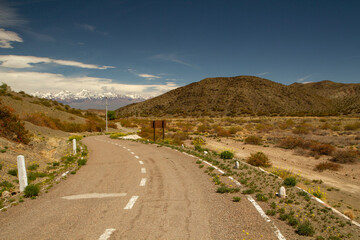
(94,195)
(143,182)
(141,162)
(131,202)
(107,234)
(143,170)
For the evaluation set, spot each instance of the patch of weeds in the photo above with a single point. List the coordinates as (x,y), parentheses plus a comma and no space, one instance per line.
(255,140)
(271,212)
(55,164)
(281,210)
(198,162)
(68,159)
(261,197)
(345,156)
(13,172)
(283,216)
(290,181)
(273,205)
(317,193)
(292,221)
(226,155)
(81,162)
(201,166)
(334,238)
(33,167)
(225,189)
(31,191)
(236,199)
(248,191)
(319,238)
(305,229)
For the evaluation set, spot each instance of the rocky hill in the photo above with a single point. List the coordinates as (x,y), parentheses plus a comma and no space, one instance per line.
(249,95)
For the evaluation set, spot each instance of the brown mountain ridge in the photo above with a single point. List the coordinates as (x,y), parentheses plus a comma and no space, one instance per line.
(249,95)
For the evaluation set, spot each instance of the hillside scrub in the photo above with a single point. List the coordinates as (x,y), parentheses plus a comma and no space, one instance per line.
(346,156)
(259,159)
(11,127)
(42,120)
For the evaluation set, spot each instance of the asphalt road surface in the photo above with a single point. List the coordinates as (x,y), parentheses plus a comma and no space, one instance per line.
(130,190)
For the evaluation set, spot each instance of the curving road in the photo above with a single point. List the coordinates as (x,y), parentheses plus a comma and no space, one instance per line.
(130,190)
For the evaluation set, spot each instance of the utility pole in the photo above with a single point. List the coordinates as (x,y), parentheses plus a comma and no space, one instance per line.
(106,116)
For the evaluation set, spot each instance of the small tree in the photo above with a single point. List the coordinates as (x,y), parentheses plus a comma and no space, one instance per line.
(111,115)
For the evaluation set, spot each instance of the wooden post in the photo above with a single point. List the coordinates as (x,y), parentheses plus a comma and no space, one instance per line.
(22,172)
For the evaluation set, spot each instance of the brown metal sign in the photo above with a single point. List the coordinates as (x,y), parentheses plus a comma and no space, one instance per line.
(158,124)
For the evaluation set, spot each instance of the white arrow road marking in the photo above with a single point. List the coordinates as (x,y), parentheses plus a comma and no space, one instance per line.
(141,162)
(94,195)
(143,170)
(143,182)
(107,234)
(131,202)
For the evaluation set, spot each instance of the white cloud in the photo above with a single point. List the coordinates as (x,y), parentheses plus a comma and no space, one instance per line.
(6,37)
(90,28)
(263,73)
(173,58)
(303,78)
(50,82)
(143,75)
(16,61)
(148,76)
(9,17)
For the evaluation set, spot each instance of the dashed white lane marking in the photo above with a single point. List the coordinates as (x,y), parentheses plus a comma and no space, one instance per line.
(137,157)
(129,149)
(143,170)
(141,162)
(143,182)
(94,195)
(131,202)
(132,153)
(124,147)
(107,234)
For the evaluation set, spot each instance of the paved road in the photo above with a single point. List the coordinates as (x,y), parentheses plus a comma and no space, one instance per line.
(130,190)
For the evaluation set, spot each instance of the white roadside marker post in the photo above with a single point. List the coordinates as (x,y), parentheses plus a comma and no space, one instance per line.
(22,172)
(282,192)
(74,146)
(236,165)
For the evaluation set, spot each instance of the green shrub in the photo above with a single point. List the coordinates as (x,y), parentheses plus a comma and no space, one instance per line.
(5,185)
(198,141)
(236,199)
(33,166)
(13,172)
(255,140)
(31,190)
(81,162)
(261,197)
(259,159)
(1,166)
(283,216)
(305,229)
(292,221)
(290,181)
(226,155)
(271,212)
(55,164)
(77,137)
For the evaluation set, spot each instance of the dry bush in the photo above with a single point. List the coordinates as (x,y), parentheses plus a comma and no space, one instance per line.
(292,142)
(234,129)
(259,159)
(203,128)
(321,148)
(127,123)
(345,156)
(327,166)
(301,130)
(287,124)
(255,140)
(350,214)
(352,126)
(11,127)
(264,127)
(221,132)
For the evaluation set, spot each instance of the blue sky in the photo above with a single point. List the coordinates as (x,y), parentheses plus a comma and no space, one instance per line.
(150,47)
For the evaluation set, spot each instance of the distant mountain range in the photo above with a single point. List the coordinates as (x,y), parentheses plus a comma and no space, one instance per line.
(86,99)
(249,95)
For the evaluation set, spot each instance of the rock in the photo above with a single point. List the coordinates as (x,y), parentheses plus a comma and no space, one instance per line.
(282,192)
(205,152)
(236,165)
(6,194)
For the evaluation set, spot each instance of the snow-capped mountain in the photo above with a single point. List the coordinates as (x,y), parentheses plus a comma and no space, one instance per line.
(86,99)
